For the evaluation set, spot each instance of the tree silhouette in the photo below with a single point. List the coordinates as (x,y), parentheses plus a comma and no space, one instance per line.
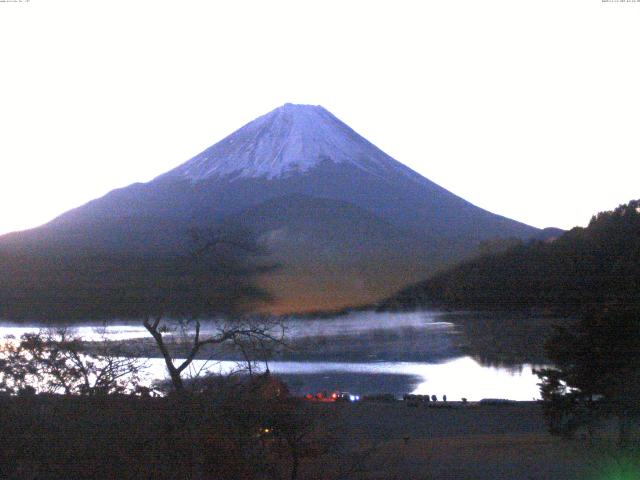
(596,373)
(54,361)
(572,275)
(54,286)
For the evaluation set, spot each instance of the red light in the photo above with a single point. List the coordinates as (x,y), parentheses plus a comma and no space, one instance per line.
(334,395)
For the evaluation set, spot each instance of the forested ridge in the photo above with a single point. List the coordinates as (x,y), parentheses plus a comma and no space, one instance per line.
(585,267)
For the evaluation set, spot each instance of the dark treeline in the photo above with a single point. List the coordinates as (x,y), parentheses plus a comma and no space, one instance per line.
(583,269)
(595,375)
(216,275)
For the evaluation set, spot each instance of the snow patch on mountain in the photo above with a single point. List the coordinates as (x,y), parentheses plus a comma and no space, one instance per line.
(290,139)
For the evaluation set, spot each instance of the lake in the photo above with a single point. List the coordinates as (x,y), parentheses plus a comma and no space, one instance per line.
(464,354)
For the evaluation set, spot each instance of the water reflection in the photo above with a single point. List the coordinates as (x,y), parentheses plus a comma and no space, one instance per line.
(457,378)
(501,339)
(461,355)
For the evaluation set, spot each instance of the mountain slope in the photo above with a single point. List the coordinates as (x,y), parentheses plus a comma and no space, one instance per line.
(299,168)
(357,258)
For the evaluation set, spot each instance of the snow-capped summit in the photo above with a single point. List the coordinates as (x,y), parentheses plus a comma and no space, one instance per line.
(290,139)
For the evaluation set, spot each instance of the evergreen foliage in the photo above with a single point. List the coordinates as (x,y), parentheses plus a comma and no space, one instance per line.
(574,274)
(596,373)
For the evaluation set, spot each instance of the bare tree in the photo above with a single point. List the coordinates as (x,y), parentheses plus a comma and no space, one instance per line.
(56,361)
(266,333)
(216,278)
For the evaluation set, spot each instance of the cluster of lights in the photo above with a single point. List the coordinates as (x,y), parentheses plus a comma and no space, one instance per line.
(335,396)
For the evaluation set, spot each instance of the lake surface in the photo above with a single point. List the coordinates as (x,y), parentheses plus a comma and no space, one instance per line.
(466,355)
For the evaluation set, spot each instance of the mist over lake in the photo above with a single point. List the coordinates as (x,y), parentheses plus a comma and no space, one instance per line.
(457,354)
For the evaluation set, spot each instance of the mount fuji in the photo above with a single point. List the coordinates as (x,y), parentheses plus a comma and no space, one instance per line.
(347,223)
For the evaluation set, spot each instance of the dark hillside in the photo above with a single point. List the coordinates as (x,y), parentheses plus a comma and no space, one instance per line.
(66,286)
(599,264)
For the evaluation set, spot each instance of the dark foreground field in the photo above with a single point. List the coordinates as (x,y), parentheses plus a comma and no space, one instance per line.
(472,442)
(207,438)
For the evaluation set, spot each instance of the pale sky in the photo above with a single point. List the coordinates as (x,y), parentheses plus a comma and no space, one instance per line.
(529,109)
